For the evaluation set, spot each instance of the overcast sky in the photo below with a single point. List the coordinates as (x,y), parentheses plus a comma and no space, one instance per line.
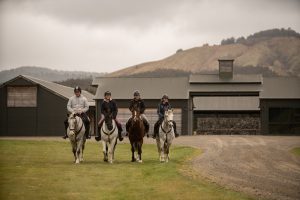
(107,35)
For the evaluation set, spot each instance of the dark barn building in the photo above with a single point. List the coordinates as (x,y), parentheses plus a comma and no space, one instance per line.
(280,106)
(224,103)
(151,89)
(34,107)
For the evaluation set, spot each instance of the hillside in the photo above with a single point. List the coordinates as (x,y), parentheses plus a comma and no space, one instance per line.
(46,74)
(275,55)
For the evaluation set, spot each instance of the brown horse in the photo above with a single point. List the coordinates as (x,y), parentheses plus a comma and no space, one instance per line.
(136,134)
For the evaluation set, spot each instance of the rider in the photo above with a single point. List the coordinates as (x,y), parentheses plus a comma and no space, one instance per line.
(109,105)
(163,106)
(79,105)
(137,102)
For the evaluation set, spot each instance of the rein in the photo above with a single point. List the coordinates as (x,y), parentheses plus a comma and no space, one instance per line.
(110,132)
(76,132)
(164,129)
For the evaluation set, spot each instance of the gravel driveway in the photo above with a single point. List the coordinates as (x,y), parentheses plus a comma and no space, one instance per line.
(261,166)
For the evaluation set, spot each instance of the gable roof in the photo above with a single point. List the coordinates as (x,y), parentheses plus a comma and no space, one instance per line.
(58,89)
(150,88)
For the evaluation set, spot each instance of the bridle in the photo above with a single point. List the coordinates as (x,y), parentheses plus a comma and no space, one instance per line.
(170,125)
(76,123)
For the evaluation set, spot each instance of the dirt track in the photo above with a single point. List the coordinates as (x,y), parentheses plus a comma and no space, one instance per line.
(261,166)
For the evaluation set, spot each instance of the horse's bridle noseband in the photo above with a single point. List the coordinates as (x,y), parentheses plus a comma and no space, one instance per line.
(73,129)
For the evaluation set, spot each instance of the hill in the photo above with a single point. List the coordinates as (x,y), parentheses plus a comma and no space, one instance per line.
(46,74)
(273,52)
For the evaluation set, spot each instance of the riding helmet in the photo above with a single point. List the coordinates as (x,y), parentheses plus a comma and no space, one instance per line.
(107,93)
(77,89)
(165,97)
(136,93)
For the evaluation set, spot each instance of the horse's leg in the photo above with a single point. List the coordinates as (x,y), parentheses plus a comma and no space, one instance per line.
(81,150)
(140,152)
(162,149)
(104,146)
(113,148)
(132,153)
(74,152)
(115,144)
(78,151)
(83,146)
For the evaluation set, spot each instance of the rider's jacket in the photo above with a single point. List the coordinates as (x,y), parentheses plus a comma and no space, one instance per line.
(78,104)
(162,107)
(138,103)
(109,106)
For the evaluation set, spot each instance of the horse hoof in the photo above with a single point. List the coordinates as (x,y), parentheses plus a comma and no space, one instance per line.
(140,161)
(77,162)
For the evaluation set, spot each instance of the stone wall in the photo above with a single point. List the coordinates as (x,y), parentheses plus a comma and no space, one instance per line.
(227,124)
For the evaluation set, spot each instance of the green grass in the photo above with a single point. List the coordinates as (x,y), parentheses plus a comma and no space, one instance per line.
(45,170)
(296,151)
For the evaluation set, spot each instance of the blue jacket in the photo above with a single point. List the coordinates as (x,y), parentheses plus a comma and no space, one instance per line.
(162,108)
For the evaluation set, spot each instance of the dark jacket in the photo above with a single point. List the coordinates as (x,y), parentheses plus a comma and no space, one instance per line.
(110,106)
(138,104)
(162,108)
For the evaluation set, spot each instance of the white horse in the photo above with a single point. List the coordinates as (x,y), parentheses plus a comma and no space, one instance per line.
(76,135)
(165,136)
(109,136)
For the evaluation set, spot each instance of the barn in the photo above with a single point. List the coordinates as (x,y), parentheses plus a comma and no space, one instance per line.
(223,103)
(151,89)
(34,107)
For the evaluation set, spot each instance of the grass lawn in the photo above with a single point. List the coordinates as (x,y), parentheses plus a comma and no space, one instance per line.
(296,151)
(45,170)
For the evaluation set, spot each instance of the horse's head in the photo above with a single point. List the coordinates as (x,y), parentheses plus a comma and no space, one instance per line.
(72,123)
(108,120)
(169,117)
(135,113)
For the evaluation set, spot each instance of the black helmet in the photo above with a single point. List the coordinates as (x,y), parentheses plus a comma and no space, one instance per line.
(136,93)
(107,93)
(165,97)
(77,89)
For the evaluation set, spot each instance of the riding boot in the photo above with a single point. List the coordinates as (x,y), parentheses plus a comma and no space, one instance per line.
(128,124)
(120,134)
(147,126)
(175,130)
(120,130)
(98,136)
(66,127)
(87,131)
(155,132)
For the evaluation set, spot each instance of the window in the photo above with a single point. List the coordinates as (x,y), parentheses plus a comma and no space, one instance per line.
(21,96)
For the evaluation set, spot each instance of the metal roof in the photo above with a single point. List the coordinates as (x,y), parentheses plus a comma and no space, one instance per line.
(280,88)
(150,88)
(60,90)
(225,103)
(215,79)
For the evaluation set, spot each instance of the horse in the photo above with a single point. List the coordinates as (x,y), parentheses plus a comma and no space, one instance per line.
(136,135)
(109,136)
(165,136)
(76,135)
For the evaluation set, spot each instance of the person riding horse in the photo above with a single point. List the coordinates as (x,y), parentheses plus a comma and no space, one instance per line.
(162,107)
(109,106)
(79,105)
(138,103)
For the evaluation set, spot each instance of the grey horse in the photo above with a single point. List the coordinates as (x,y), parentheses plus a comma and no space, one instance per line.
(165,136)
(76,135)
